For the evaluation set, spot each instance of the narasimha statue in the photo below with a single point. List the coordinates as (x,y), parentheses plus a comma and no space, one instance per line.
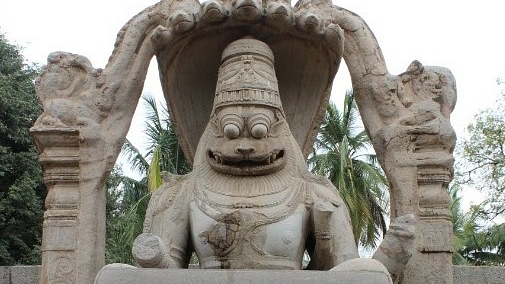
(250,202)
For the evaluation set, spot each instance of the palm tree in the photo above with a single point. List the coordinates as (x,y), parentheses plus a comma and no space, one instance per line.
(474,242)
(458,225)
(481,245)
(342,154)
(163,149)
(126,204)
(129,197)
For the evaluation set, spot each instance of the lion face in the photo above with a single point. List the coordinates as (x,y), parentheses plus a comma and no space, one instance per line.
(246,141)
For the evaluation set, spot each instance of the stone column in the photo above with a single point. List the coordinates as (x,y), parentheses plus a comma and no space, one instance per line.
(59,156)
(432,259)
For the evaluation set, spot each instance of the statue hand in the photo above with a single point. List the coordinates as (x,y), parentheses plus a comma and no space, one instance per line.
(396,248)
(149,251)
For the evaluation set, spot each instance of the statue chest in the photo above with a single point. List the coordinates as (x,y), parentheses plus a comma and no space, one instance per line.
(239,238)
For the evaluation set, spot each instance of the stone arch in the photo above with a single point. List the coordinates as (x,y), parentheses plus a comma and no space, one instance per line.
(411,134)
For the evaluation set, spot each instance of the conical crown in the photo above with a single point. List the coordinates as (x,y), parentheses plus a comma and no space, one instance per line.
(247,75)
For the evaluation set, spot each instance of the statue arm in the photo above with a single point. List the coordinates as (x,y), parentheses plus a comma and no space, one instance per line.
(395,250)
(331,229)
(164,242)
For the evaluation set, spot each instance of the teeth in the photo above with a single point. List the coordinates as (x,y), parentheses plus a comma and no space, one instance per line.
(272,158)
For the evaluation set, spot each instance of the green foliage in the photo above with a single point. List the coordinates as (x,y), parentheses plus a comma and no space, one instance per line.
(161,135)
(458,225)
(124,218)
(342,154)
(483,157)
(132,189)
(21,223)
(480,233)
(475,242)
(127,198)
(485,245)
(21,185)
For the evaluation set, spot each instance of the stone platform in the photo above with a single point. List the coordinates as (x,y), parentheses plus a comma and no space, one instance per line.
(124,274)
(462,275)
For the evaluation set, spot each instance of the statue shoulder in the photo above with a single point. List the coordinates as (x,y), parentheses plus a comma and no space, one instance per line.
(321,189)
(169,204)
(175,189)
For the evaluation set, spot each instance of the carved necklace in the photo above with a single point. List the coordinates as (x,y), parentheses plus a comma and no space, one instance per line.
(217,200)
(275,211)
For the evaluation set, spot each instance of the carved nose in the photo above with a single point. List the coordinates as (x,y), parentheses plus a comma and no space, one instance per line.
(245,150)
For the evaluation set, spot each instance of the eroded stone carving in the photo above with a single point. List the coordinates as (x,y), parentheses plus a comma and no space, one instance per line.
(427,96)
(250,201)
(67,91)
(417,130)
(407,117)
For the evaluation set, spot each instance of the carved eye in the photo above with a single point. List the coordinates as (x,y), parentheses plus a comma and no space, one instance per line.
(259,125)
(231,131)
(232,125)
(259,131)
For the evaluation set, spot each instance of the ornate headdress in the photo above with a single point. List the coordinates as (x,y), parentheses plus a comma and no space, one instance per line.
(247,75)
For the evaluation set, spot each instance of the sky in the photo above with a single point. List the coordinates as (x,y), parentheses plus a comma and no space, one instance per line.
(465,37)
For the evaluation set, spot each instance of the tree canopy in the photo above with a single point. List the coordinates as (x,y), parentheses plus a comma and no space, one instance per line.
(476,240)
(482,156)
(342,153)
(21,185)
(480,233)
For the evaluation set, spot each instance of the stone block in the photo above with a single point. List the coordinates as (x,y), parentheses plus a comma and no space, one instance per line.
(123,274)
(25,274)
(479,274)
(5,274)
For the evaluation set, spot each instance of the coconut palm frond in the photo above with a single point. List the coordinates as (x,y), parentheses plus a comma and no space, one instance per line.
(134,157)
(341,153)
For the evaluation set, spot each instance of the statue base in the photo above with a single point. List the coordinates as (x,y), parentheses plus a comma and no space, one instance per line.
(124,274)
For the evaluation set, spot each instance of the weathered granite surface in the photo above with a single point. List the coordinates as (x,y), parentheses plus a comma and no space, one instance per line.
(129,275)
(24,274)
(479,274)
(462,275)
(88,110)
(250,201)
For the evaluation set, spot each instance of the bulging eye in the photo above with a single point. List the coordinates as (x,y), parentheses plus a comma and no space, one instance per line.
(231,131)
(259,131)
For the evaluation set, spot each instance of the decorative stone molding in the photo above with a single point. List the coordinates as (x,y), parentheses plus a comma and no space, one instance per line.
(59,156)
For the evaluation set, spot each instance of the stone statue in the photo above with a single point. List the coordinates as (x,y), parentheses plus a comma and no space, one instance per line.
(250,202)
(66,88)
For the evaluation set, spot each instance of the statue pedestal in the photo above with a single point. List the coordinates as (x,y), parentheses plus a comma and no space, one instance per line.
(124,274)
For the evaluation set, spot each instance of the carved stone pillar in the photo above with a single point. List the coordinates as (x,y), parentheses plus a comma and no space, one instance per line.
(59,156)
(432,259)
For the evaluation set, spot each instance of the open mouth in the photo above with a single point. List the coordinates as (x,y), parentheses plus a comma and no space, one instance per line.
(312,22)
(247,8)
(247,165)
(213,11)
(280,11)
